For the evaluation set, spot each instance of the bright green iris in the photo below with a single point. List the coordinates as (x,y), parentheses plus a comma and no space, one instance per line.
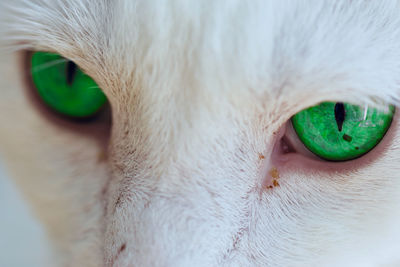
(340,131)
(64,87)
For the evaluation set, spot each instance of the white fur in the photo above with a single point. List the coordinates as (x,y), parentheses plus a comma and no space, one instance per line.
(198,90)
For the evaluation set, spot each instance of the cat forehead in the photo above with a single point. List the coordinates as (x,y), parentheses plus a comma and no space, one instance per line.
(263,45)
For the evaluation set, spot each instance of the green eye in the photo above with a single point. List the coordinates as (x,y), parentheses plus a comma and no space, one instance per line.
(340,131)
(64,87)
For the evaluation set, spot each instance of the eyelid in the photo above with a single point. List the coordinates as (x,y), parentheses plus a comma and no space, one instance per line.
(294,142)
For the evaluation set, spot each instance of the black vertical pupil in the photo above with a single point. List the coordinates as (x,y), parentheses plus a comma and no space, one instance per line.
(340,115)
(70,72)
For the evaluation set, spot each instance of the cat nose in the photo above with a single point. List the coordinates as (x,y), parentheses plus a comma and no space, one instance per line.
(185,202)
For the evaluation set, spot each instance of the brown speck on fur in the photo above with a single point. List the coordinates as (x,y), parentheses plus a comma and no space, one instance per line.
(122,248)
(274,173)
(275,177)
(118,202)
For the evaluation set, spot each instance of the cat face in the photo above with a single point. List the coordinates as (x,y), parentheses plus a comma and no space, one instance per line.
(191,165)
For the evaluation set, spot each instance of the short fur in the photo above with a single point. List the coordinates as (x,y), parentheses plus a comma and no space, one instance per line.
(201,93)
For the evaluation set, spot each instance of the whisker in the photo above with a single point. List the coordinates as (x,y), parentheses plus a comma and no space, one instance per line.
(49,64)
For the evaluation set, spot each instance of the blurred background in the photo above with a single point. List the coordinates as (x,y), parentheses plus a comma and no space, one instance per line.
(22,239)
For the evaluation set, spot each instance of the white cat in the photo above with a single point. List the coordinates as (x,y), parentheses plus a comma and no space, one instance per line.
(200,166)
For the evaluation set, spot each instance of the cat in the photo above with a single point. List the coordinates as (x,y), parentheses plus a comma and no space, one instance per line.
(195,162)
